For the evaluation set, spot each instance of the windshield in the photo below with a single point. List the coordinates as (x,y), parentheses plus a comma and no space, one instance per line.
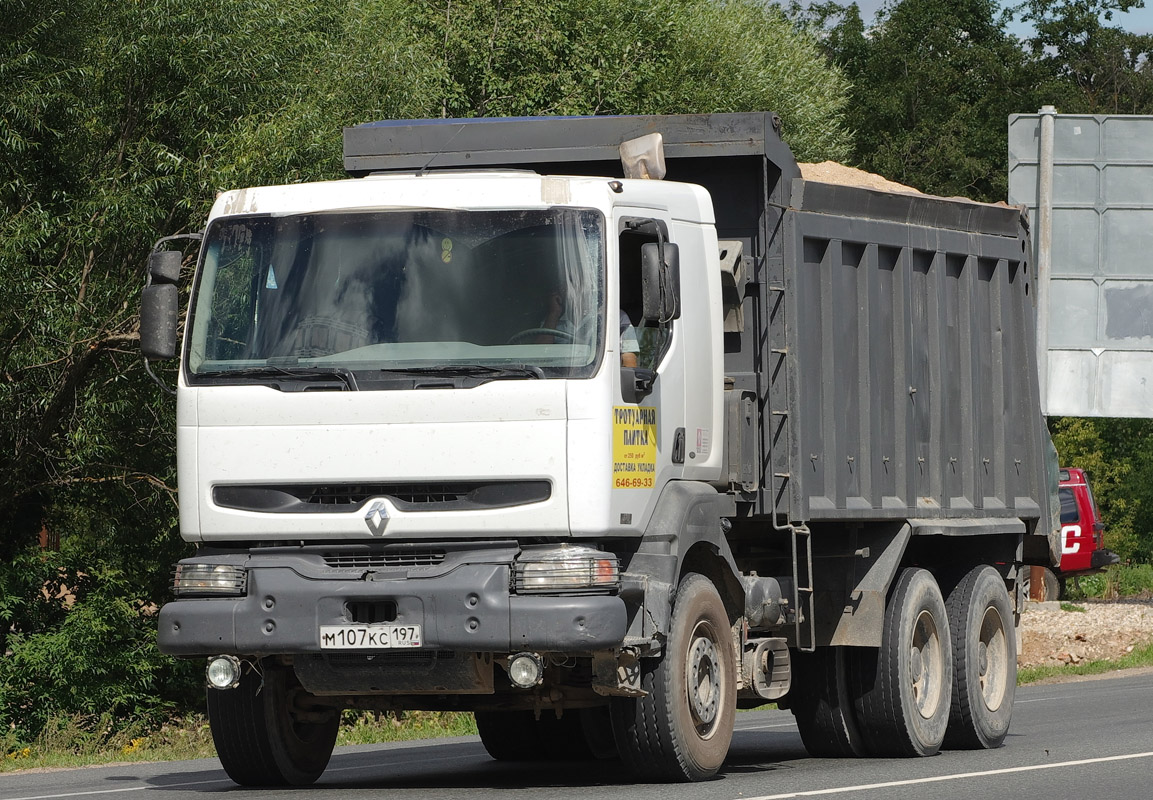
(491,293)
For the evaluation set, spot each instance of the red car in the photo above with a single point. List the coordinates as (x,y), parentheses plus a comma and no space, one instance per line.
(1081,529)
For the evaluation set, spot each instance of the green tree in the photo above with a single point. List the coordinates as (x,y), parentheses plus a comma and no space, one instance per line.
(111,115)
(1099,68)
(520,57)
(933,83)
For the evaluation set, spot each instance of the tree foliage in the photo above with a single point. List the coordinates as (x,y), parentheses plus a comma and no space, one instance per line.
(933,82)
(1098,67)
(520,57)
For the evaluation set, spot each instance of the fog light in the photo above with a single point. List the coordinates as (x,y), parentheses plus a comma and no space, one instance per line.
(568,569)
(223,672)
(525,670)
(206,580)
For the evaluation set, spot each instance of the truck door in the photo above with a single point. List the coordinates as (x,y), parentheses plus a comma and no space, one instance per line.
(648,425)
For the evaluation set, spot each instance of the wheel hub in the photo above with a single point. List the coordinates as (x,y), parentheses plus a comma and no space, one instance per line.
(993,659)
(926,666)
(916,665)
(704,676)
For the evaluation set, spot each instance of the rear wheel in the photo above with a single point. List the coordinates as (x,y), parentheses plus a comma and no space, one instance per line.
(984,661)
(821,703)
(681,730)
(266,731)
(902,689)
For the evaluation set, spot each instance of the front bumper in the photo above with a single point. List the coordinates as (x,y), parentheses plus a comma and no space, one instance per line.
(466,607)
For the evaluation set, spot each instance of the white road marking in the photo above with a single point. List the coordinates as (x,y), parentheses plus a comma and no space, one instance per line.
(114,791)
(940,778)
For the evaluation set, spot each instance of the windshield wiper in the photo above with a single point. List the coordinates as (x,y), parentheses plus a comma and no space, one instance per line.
(473,370)
(343,374)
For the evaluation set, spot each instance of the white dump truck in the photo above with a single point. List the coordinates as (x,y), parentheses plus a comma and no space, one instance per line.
(602,428)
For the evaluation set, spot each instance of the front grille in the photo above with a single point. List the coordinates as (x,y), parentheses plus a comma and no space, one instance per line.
(346,497)
(376,559)
(415,493)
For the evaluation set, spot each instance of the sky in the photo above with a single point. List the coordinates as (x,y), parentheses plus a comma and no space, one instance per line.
(1138,20)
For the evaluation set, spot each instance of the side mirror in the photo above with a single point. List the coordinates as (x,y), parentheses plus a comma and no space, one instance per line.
(660,282)
(164,266)
(160,306)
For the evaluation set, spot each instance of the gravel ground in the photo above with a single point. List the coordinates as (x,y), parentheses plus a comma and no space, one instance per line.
(1051,636)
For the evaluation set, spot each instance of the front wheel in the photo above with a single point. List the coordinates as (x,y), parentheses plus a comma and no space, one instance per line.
(681,730)
(984,661)
(266,733)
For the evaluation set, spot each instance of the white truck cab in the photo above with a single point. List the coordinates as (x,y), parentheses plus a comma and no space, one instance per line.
(437,315)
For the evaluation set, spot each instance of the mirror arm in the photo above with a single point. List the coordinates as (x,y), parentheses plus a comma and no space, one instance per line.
(637,383)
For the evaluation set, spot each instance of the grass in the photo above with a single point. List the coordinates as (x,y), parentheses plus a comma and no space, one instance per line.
(78,741)
(1119,580)
(1139,657)
(367,728)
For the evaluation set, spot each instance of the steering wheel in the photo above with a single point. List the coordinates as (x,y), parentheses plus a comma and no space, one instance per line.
(553,332)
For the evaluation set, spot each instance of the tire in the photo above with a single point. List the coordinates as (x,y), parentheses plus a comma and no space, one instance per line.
(984,661)
(681,730)
(822,705)
(258,738)
(520,736)
(1054,586)
(902,690)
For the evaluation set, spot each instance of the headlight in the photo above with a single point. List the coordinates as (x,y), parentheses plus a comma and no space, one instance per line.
(209,579)
(567,569)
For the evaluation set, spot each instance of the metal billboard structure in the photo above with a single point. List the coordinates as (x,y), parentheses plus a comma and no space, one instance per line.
(1087,181)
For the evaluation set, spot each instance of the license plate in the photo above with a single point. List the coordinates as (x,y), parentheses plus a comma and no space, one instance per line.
(368,637)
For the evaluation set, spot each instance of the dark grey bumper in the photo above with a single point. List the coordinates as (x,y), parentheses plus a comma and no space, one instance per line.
(468,609)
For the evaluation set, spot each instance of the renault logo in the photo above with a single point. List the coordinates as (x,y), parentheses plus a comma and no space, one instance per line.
(376,518)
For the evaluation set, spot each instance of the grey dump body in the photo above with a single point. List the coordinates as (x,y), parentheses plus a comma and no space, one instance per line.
(885,352)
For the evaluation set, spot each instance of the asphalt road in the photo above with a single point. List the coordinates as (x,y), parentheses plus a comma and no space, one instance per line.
(1091,739)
